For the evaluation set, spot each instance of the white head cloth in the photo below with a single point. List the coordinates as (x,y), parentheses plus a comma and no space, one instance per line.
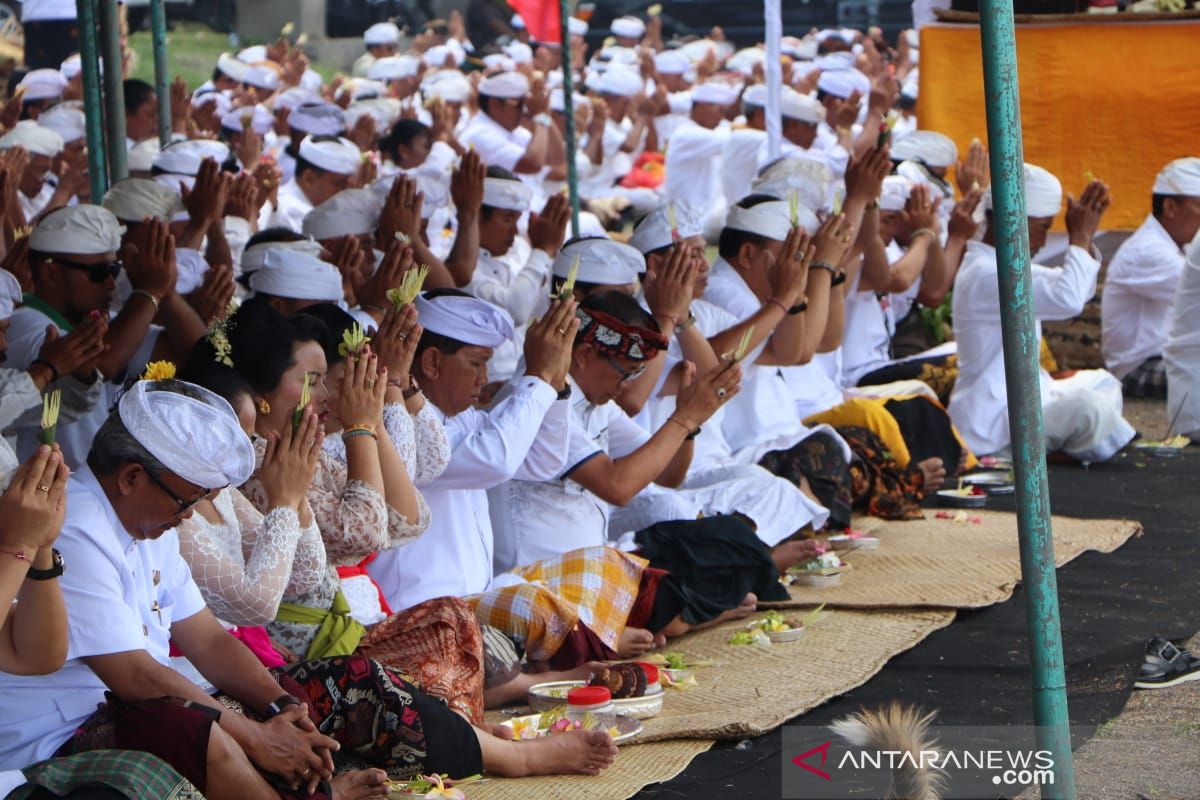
(809,178)
(558,100)
(142,154)
(252,54)
(10,293)
(36,139)
(262,76)
(844,82)
(620,82)
(465,319)
(745,60)
(298,276)
(1181,178)
(1043,193)
(498,62)
(290,99)
(201,441)
(134,199)
(628,27)
(506,194)
(672,62)
(449,85)
(351,212)
(519,52)
(341,156)
(84,230)
(394,68)
(516,22)
(43,84)
(381,33)
(231,66)
(800,49)
(220,101)
(768,219)
(66,120)
(261,120)
(254,257)
(895,192)
(717,92)
(384,110)
(185,158)
(505,85)
(577,26)
(311,80)
(801,107)
(71,67)
(929,147)
(755,95)
(601,260)
(318,119)
(654,231)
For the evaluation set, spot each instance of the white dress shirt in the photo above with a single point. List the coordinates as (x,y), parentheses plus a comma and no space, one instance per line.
(293,206)
(693,167)
(744,153)
(454,557)
(517,289)
(1182,354)
(121,594)
(979,403)
(1139,290)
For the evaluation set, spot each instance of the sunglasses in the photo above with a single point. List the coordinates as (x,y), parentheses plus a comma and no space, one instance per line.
(184,505)
(97,273)
(627,375)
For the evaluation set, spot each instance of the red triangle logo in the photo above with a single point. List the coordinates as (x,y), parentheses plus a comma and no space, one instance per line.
(823,749)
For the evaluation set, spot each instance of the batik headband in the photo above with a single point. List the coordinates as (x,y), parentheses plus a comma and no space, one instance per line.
(617,338)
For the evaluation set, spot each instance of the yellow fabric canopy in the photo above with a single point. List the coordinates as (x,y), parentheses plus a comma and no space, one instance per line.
(1117,100)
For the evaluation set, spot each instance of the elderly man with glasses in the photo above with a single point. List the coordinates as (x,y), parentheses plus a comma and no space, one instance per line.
(73,254)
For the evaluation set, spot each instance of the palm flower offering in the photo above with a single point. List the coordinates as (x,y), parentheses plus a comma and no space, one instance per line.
(837,203)
(409,288)
(431,786)
(566,289)
(673,222)
(794,208)
(885,130)
(51,404)
(353,341)
(287,29)
(159,371)
(22,232)
(305,399)
(734,356)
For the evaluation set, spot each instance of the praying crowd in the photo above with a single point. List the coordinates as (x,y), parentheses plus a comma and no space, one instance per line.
(327,430)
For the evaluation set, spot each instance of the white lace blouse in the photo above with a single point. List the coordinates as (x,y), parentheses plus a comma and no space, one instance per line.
(246,563)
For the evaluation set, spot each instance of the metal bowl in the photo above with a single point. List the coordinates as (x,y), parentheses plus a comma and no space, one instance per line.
(791,635)
(816,579)
(844,542)
(951,498)
(991,482)
(545,696)
(627,727)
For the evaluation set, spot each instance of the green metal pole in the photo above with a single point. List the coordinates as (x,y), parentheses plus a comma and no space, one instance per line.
(1021,350)
(114,92)
(162,78)
(93,113)
(564,13)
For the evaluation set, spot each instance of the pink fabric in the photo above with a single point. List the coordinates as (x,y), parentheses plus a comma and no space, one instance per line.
(260,644)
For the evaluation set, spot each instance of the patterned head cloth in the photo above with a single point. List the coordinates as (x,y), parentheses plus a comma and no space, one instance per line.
(617,338)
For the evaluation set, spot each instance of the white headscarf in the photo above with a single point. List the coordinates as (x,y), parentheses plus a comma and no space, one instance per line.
(465,319)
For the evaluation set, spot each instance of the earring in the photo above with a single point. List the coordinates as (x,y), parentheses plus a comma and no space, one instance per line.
(264,407)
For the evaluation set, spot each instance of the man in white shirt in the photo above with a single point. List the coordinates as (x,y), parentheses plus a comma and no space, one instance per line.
(1139,289)
(671,68)
(1082,414)
(324,167)
(39,189)
(517,288)
(693,163)
(381,41)
(1182,351)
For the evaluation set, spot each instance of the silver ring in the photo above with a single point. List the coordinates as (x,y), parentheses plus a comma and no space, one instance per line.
(721,392)
(402,337)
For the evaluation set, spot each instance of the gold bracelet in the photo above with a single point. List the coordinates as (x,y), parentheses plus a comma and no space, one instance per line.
(364,428)
(922,232)
(148,295)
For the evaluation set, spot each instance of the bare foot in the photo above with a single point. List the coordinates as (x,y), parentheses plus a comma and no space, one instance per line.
(747,607)
(789,553)
(934,472)
(634,642)
(568,753)
(360,784)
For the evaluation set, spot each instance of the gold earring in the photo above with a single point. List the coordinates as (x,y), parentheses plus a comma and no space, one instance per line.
(264,407)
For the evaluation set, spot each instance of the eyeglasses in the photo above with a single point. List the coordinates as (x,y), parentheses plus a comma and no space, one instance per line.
(97,273)
(627,375)
(184,505)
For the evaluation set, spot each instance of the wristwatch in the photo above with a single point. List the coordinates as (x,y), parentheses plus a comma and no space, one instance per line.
(543,119)
(54,571)
(565,392)
(280,703)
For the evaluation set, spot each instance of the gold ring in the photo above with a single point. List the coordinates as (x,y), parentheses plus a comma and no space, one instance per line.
(43,488)
(402,337)
(370,384)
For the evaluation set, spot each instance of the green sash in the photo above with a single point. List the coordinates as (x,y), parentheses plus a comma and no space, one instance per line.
(338,633)
(33,301)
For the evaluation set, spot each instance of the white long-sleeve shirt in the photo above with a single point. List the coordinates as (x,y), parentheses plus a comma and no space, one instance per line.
(1182,351)
(979,403)
(454,557)
(1135,308)
(693,166)
(518,291)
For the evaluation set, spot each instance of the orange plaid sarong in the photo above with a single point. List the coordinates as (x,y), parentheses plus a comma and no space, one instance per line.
(593,586)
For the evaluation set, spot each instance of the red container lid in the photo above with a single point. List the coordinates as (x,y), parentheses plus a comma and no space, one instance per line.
(589,696)
(651,672)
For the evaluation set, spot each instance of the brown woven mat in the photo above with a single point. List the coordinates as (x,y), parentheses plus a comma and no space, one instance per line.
(636,766)
(951,564)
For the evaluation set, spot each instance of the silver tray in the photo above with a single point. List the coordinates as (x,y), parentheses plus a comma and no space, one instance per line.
(544,696)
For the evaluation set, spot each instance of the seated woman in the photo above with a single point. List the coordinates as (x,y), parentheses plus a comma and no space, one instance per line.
(360,507)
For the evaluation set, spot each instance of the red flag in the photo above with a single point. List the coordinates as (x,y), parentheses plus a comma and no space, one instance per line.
(541,17)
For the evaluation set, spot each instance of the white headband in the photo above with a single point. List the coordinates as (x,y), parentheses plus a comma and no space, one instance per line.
(506,194)
(769,219)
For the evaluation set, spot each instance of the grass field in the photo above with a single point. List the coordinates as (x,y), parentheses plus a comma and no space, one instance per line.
(192,51)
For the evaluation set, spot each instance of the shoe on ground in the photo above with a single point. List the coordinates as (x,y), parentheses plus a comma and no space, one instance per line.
(1166,665)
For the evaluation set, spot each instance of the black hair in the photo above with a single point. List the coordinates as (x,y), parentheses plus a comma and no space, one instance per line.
(203,369)
(621,306)
(436,340)
(404,132)
(1157,201)
(137,93)
(261,341)
(334,322)
(731,240)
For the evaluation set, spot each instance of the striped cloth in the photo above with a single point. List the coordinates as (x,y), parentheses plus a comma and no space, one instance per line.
(593,586)
(135,774)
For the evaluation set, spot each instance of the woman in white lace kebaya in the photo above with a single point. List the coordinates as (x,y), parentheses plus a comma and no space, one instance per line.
(361,506)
